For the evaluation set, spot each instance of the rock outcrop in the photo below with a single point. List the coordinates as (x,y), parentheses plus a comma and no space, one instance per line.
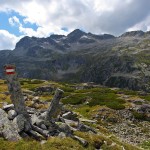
(7,128)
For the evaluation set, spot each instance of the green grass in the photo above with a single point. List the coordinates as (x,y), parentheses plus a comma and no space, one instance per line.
(86,111)
(126,92)
(53,143)
(146,145)
(147,97)
(111,100)
(96,96)
(29,81)
(138,115)
(75,99)
(95,140)
(100,90)
(67,89)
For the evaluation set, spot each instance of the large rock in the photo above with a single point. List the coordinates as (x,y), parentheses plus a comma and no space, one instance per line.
(145,108)
(36,120)
(8,107)
(20,122)
(71,116)
(12,114)
(81,140)
(84,128)
(42,89)
(63,127)
(7,128)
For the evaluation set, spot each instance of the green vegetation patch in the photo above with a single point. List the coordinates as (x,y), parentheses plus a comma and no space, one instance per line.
(91,90)
(53,143)
(67,89)
(111,100)
(147,97)
(97,142)
(95,96)
(146,145)
(33,81)
(75,99)
(138,115)
(126,92)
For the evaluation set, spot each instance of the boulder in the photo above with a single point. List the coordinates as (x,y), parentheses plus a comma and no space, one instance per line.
(43,126)
(24,135)
(71,116)
(85,128)
(81,140)
(145,108)
(8,107)
(42,89)
(62,135)
(7,128)
(20,121)
(36,120)
(36,98)
(43,115)
(12,114)
(63,127)
(25,98)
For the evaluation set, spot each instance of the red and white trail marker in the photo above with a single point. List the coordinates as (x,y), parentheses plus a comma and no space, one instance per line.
(10,70)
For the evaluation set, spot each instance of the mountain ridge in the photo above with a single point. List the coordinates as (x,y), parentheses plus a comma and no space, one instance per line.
(85,57)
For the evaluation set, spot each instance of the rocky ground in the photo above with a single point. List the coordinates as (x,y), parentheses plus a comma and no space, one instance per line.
(124,124)
(93,126)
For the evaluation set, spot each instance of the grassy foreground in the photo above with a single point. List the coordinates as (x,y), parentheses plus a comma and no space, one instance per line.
(85,102)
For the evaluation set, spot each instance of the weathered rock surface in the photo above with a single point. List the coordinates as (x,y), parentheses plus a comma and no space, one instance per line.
(12,114)
(7,128)
(81,140)
(41,123)
(70,116)
(54,106)
(44,89)
(8,107)
(20,121)
(63,127)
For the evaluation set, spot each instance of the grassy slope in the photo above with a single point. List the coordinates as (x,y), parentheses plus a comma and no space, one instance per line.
(85,102)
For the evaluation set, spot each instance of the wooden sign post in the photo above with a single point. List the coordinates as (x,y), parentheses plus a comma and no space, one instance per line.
(15,91)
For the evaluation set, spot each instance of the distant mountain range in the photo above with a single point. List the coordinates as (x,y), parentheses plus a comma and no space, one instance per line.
(122,61)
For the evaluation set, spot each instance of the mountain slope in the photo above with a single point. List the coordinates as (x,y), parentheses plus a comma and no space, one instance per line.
(84,57)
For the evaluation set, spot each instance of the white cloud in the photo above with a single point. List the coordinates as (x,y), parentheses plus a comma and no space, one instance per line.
(7,40)
(97,16)
(143,25)
(14,21)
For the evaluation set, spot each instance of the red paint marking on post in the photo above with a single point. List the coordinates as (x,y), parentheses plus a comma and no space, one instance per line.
(9,70)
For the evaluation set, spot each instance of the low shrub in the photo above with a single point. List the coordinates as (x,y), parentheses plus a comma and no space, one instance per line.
(74,99)
(139,116)
(67,89)
(111,100)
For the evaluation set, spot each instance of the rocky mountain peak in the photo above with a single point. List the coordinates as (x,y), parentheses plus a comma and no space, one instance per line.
(56,36)
(133,34)
(26,42)
(75,35)
(102,36)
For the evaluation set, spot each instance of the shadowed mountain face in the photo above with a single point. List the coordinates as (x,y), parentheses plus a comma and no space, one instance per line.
(84,57)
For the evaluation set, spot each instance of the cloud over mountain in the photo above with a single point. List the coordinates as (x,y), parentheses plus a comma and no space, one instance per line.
(96,16)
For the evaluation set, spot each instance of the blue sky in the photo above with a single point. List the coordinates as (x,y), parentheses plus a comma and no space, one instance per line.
(14,29)
(19,18)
